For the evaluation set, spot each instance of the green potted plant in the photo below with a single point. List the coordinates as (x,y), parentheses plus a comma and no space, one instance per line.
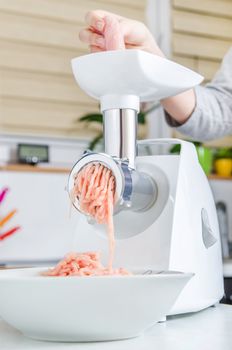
(223,161)
(98,118)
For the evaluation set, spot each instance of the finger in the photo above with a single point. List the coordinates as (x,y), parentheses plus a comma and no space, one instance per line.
(88,37)
(95,19)
(94,48)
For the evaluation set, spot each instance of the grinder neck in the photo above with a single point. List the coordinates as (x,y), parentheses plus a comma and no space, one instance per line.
(120,134)
(120,116)
(134,190)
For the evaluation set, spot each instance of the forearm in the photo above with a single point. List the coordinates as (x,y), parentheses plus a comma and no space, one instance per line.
(180,107)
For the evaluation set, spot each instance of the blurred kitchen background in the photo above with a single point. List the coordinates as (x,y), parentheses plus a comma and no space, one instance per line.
(41,109)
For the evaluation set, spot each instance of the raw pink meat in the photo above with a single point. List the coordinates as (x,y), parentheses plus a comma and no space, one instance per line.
(113,36)
(82,264)
(94,186)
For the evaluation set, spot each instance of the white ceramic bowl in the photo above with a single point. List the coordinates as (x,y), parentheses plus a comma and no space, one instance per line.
(86,308)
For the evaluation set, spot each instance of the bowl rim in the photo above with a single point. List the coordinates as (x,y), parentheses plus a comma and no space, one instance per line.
(11,274)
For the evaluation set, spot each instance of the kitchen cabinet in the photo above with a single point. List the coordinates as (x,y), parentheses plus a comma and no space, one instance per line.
(47,230)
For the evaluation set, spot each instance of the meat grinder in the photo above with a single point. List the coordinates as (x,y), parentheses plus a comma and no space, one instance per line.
(164,215)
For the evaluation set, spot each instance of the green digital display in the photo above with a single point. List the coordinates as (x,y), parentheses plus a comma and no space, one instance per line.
(32,154)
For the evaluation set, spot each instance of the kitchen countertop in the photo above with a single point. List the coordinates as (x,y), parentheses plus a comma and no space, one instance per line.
(210,329)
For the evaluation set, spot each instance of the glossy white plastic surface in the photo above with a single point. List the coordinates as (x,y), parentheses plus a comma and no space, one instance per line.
(86,308)
(121,78)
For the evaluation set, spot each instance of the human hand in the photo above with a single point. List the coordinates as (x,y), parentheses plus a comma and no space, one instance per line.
(107,31)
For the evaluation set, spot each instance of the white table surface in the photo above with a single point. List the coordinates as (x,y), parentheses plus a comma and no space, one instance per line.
(210,329)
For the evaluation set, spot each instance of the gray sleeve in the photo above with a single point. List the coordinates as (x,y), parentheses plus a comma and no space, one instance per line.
(212,116)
